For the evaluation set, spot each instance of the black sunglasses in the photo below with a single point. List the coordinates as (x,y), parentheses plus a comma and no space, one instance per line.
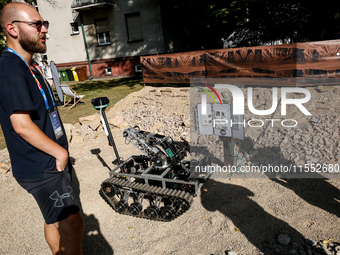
(38,24)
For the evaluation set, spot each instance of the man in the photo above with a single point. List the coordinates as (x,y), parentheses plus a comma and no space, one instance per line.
(34,134)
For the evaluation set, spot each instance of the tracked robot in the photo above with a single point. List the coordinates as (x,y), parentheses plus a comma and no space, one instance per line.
(157,185)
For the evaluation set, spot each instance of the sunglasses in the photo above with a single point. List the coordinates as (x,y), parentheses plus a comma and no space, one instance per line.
(38,24)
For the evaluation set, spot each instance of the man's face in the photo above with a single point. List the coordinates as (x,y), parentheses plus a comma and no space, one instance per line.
(31,39)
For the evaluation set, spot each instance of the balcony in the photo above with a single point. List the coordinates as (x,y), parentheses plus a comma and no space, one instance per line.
(88,5)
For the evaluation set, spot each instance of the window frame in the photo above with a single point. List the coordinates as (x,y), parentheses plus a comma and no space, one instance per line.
(107,72)
(74,28)
(104,33)
(133,14)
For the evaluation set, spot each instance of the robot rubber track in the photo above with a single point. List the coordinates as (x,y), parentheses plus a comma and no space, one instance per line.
(181,199)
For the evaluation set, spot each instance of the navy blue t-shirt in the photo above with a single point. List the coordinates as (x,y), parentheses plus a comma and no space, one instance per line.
(19,91)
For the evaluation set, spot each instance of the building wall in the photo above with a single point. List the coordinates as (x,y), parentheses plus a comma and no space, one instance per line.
(66,49)
(61,46)
(151,26)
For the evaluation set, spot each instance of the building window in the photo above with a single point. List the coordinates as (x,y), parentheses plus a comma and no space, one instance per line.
(108,71)
(134,27)
(103,31)
(74,28)
(138,68)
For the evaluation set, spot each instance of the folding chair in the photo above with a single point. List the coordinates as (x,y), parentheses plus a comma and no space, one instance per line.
(72,94)
(56,81)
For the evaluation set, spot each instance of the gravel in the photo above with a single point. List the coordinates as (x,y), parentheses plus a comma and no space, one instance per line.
(229,215)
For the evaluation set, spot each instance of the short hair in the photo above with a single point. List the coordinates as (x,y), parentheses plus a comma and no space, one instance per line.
(10,13)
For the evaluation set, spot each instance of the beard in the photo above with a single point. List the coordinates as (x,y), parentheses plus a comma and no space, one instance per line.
(31,44)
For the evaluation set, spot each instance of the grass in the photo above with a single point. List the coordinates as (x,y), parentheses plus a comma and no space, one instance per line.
(113,89)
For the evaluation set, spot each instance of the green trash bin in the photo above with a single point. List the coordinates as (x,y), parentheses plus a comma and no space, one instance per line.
(69,74)
(60,76)
(63,74)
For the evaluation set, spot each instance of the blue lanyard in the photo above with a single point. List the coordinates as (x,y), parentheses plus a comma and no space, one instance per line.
(36,80)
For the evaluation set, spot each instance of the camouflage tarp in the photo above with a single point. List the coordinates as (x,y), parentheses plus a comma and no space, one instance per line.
(307,60)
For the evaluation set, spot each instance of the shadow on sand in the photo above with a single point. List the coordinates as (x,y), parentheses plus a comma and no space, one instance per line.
(93,240)
(310,186)
(258,226)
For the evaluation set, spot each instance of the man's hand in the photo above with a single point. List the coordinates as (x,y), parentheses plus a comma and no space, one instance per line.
(31,133)
(61,161)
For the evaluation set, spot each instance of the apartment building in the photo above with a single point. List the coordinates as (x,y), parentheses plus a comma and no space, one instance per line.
(106,36)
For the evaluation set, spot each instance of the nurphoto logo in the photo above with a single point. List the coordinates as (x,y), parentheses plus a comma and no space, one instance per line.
(238,104)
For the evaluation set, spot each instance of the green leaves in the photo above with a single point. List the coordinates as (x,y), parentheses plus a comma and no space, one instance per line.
(199,25)
(2,36)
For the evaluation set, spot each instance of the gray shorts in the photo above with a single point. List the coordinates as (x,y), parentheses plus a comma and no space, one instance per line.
(54,194)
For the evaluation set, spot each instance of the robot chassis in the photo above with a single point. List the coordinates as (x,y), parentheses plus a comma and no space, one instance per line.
(159,181)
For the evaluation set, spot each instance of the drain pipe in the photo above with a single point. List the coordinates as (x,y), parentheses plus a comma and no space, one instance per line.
(87,52)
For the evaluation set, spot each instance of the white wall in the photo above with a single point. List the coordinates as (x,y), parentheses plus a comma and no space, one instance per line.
(61,46)
(64,48)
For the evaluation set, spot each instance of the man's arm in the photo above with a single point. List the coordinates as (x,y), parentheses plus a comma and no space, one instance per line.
(31,133)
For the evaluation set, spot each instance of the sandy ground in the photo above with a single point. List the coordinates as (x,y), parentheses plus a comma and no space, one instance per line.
(241,215)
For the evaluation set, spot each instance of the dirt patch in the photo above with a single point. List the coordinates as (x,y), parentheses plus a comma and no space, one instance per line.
(246,216)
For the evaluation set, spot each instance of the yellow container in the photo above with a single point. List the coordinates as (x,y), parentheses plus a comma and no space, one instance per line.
(75,76)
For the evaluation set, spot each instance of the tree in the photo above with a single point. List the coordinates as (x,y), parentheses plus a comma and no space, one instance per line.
(2,36)
(297,21)
(197,24)
(202,24)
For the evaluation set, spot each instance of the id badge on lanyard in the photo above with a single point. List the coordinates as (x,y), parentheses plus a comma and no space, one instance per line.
(56,124)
